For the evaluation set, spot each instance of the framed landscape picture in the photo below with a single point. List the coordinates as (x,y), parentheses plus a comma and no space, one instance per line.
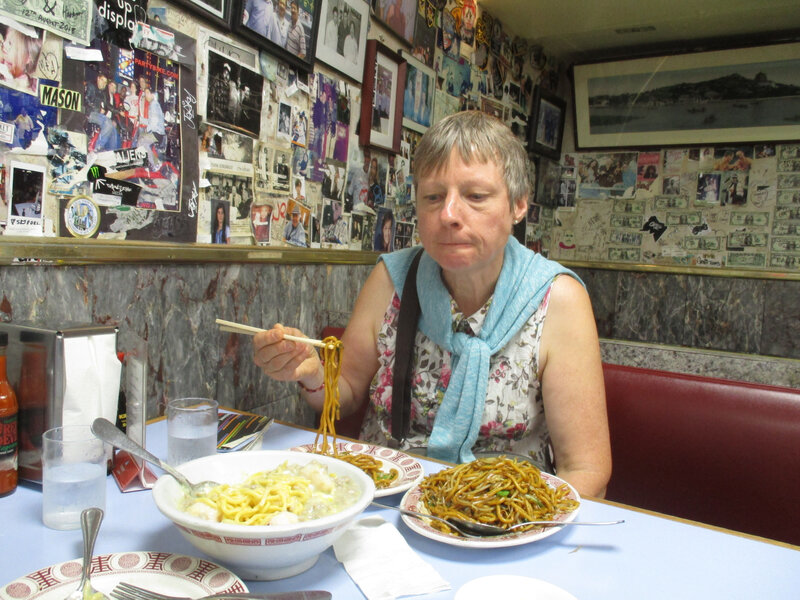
(286,29)
(738,95)
(341,42)
(382,98)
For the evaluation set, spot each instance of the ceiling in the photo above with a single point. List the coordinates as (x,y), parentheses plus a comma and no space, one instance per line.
(586,30)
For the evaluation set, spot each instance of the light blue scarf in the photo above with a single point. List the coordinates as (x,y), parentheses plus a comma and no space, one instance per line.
(524,280)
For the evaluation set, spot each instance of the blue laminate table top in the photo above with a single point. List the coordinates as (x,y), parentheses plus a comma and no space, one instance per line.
(650,556)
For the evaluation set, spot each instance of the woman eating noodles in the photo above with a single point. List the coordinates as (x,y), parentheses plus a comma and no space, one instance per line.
(506,356)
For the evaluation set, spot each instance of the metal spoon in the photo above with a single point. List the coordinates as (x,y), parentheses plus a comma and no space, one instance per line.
(90,525)
(108,432)
(474,529)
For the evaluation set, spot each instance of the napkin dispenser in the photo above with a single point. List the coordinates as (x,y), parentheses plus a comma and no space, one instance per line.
(64,375)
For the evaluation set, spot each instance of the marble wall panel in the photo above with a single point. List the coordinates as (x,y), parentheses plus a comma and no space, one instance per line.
(651,307)
(725,314)
(602,287)
(780,334)
(174,307)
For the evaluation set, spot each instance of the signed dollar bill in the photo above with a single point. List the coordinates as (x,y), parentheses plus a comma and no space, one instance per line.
(688,218)
(626,221)
(744,239)
(784,261)
(624,254)
(702,243)
(782,228)
(71,19)
(665,202)
(785,244)
(740,259)
(750,218)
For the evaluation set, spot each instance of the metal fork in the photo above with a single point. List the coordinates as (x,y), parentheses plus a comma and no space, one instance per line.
(128,591)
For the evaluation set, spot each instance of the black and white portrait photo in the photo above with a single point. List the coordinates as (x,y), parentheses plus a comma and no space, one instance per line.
(234,94)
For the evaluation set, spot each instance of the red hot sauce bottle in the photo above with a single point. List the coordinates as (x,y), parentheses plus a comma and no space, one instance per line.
(8,426)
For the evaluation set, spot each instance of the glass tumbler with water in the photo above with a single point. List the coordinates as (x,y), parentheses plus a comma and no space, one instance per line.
(191,429)
(73,475)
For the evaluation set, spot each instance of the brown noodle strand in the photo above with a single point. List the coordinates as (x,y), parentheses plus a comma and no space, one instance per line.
(332,365)
(498,491)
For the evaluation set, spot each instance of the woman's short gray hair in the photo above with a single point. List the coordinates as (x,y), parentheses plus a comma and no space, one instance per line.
(477,137)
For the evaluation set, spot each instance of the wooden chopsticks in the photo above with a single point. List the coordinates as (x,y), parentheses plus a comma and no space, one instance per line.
(232,327)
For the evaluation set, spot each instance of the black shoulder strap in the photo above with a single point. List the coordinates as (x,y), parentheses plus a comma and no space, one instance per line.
(404,352)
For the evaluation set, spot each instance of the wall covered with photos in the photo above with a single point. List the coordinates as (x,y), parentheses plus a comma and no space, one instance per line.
(723,206)
(252,123)
(724,189)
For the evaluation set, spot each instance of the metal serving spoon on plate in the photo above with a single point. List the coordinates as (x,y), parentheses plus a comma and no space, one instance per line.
(90,525)
(473,529)
(108,432)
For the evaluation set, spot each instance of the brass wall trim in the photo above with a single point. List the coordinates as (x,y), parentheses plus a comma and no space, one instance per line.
(65,252)
(681,270)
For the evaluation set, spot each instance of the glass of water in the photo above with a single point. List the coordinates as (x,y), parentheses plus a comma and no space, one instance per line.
(191,429)
(73,475)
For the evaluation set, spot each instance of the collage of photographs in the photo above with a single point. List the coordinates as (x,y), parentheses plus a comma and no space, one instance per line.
(288,123)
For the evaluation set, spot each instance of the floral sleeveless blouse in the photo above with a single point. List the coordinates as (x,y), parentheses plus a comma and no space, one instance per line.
(513,416)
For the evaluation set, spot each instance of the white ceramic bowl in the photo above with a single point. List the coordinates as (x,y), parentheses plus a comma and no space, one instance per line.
(259,552)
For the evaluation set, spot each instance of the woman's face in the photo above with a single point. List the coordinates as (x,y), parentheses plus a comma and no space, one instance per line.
(373,169)
(220,215)
(387,232)
(465,217)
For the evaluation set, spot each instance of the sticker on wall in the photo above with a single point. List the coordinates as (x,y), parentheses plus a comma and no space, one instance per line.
(82,217)
(60,98)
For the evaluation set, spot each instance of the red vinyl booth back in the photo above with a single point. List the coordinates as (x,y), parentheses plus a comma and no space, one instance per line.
(721,452)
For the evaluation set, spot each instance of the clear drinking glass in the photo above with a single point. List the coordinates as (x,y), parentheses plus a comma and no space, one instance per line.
(73,475)
(191,429)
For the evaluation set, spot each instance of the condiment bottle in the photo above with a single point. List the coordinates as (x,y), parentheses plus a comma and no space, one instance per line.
(8,426)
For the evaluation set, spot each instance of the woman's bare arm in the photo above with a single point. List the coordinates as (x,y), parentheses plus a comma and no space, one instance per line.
(573,389)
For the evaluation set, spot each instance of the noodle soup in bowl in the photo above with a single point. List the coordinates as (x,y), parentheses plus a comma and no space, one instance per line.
(262,552)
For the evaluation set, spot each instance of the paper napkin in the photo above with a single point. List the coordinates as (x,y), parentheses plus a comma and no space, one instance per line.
(382,564)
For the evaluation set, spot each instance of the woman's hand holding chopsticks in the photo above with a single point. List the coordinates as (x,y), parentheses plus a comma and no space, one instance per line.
(286,360)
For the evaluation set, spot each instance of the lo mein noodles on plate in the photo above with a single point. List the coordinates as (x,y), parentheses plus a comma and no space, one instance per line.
(497,491)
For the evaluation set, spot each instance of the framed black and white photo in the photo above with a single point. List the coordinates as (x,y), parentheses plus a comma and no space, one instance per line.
(341,43)
(234,95)
(722,96)
(419,94)
(217,12)
(546,125)
(285,28)
(382,98)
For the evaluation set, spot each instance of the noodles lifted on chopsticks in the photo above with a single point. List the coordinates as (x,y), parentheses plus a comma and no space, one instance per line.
(332,367)
(497,491)
(332,363)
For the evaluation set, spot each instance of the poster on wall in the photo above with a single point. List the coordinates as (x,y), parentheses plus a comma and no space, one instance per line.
(139,120)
